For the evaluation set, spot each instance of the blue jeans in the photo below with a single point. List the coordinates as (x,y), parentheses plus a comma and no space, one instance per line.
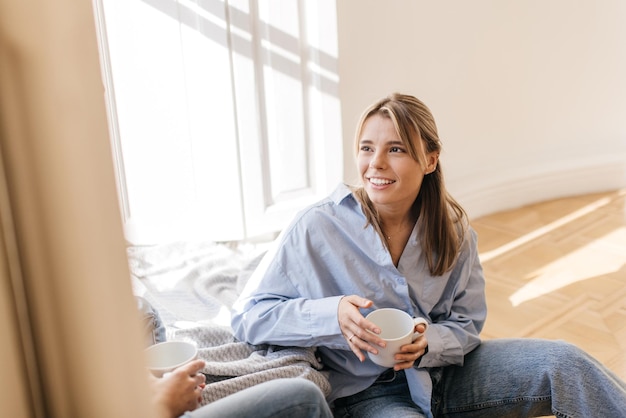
(280,398)
(503,378)
(153,327)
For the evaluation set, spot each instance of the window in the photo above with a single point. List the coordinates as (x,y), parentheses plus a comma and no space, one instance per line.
(225,115)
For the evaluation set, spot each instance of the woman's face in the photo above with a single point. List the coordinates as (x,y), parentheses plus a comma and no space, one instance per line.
(391,177)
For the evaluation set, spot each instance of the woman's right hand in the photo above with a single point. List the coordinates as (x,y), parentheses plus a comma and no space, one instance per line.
(355,328)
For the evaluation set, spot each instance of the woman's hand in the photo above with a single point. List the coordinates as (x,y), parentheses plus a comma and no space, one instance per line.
(180,390)
(410,353)
(355,328)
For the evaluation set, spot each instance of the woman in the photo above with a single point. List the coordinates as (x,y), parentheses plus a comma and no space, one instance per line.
(399,240)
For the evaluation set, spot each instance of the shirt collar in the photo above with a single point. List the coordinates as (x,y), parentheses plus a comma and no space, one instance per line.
(341,193)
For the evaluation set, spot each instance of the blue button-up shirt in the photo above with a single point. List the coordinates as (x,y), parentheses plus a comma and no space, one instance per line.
(328,252)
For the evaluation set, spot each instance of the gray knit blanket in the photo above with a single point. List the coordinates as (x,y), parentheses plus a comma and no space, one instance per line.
(232,365)
(193,285)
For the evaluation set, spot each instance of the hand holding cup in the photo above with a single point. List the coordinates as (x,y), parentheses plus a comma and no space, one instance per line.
(397,329)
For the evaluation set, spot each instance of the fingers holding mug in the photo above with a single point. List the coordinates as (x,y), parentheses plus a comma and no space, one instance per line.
(403,335)
(420,325)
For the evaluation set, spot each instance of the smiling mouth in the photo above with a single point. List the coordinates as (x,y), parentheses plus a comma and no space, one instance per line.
(380,182)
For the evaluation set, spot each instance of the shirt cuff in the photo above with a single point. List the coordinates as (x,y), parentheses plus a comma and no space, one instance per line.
(442,351)
(323,315)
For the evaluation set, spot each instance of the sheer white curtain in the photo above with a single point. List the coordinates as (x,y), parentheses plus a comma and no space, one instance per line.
(224,114)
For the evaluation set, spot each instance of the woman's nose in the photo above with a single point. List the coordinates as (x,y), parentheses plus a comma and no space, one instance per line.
(377,161)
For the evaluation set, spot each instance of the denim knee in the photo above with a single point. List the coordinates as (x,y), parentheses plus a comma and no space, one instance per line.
(152,325)
(562,353)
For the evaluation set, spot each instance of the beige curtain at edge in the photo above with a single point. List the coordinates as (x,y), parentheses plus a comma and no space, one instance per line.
(71,344)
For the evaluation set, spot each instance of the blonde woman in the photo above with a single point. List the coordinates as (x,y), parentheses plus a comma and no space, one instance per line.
(399,240)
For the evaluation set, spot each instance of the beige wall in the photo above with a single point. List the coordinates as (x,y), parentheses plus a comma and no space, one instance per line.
(529,96)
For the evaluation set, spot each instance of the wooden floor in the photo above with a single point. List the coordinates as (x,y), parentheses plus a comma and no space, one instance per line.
(557,270)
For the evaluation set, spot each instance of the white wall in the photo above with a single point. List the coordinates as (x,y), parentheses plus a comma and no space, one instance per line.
(529,97)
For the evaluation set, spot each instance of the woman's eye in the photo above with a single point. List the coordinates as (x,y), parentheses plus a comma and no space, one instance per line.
(365,148)
(396,149)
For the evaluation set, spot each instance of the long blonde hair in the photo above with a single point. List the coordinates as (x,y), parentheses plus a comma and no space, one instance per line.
(444,221)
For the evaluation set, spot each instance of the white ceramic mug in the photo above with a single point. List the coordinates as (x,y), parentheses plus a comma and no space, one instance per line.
(397,328)
(166,356)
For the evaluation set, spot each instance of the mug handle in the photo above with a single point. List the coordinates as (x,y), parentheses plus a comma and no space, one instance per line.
(416,322)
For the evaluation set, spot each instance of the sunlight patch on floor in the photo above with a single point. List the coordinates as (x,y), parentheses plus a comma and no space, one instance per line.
(537,233)
(574,267)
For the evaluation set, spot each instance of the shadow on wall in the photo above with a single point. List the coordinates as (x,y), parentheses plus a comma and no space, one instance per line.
(277,48)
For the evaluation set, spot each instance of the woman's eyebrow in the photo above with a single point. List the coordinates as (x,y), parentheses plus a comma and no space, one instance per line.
(393,142)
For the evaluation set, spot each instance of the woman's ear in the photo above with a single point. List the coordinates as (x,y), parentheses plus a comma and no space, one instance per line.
(433,160)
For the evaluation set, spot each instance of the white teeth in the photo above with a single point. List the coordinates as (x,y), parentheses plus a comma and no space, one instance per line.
(380,182)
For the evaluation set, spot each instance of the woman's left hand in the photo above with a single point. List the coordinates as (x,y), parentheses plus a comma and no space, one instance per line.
(410,353)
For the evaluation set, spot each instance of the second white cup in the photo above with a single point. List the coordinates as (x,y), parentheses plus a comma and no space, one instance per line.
(166,356)
(397,329)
